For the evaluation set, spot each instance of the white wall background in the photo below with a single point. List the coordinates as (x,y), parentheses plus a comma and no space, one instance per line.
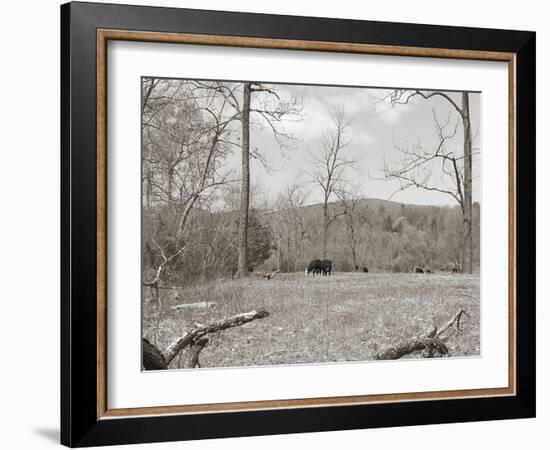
(29,224)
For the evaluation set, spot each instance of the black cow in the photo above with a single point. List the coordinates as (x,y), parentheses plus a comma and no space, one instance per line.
(326,267)
(313,267)
(366,269)
(318,267)
(418,270)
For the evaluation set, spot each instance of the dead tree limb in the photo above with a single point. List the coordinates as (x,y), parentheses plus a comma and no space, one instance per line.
(450,323)
(431,345)
(195,348)
(431,342)
(194,305)
(202,330)
(196,339)
(153,284)
(269,276)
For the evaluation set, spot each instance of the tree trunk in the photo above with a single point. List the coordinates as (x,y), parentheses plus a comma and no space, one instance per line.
(325,228)
(148,187)
(152,359)
(297,255)
(354,258)
(468,247)
(245,184)
(353,242)
(288,254)
(185,214)
(170,185)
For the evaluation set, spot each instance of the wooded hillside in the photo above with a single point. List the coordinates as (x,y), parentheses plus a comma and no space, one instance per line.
(376,234)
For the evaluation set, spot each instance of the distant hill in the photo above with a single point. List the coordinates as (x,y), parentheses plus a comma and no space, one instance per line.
(382,235)
(373,205)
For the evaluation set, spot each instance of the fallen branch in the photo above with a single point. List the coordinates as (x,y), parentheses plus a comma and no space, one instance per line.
(430,342)
(269,276)
(450,323)
(196,339)
(431,345)
(202,330)
(194,305)
(195,348)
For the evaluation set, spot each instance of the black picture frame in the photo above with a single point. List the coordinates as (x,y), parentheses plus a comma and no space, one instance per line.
(80,425)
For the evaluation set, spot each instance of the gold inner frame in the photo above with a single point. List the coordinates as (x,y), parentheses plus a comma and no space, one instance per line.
(104,35)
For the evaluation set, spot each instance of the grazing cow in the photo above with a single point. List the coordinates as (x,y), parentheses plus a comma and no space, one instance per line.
(318,267)
(454,270)
(366,269)
(428,271)
(314,267)
(418,270)
(326,267)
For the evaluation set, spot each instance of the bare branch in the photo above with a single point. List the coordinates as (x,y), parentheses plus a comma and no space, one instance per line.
(416,166)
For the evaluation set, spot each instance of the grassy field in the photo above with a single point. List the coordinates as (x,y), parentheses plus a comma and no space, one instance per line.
(344,317)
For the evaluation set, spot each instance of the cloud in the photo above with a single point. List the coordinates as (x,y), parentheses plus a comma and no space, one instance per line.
(318,101)
(391,116)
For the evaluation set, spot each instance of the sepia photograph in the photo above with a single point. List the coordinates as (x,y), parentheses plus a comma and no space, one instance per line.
(292,224)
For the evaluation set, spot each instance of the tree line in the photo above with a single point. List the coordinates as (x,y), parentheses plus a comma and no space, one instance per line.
(370,233)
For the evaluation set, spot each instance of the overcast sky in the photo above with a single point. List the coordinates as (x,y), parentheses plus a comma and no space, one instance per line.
(375,128)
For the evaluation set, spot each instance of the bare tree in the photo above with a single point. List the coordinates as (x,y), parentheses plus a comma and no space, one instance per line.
(297,196)
(289,225)
(354,219)
(186,136)
(403,96)
(254,105)
(156,95)
(330,165)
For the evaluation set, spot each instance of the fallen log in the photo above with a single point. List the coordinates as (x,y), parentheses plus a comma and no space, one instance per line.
(194,305)
(196,339)
(431,345)
(431,342)
(202,330)
(269,276)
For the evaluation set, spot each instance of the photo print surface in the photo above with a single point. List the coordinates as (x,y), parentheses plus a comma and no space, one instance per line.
(304,224)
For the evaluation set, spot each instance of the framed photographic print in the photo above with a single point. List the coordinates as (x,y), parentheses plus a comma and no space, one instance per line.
(276,224)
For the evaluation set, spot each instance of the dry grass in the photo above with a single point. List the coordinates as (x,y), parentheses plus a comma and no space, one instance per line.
(345,317)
